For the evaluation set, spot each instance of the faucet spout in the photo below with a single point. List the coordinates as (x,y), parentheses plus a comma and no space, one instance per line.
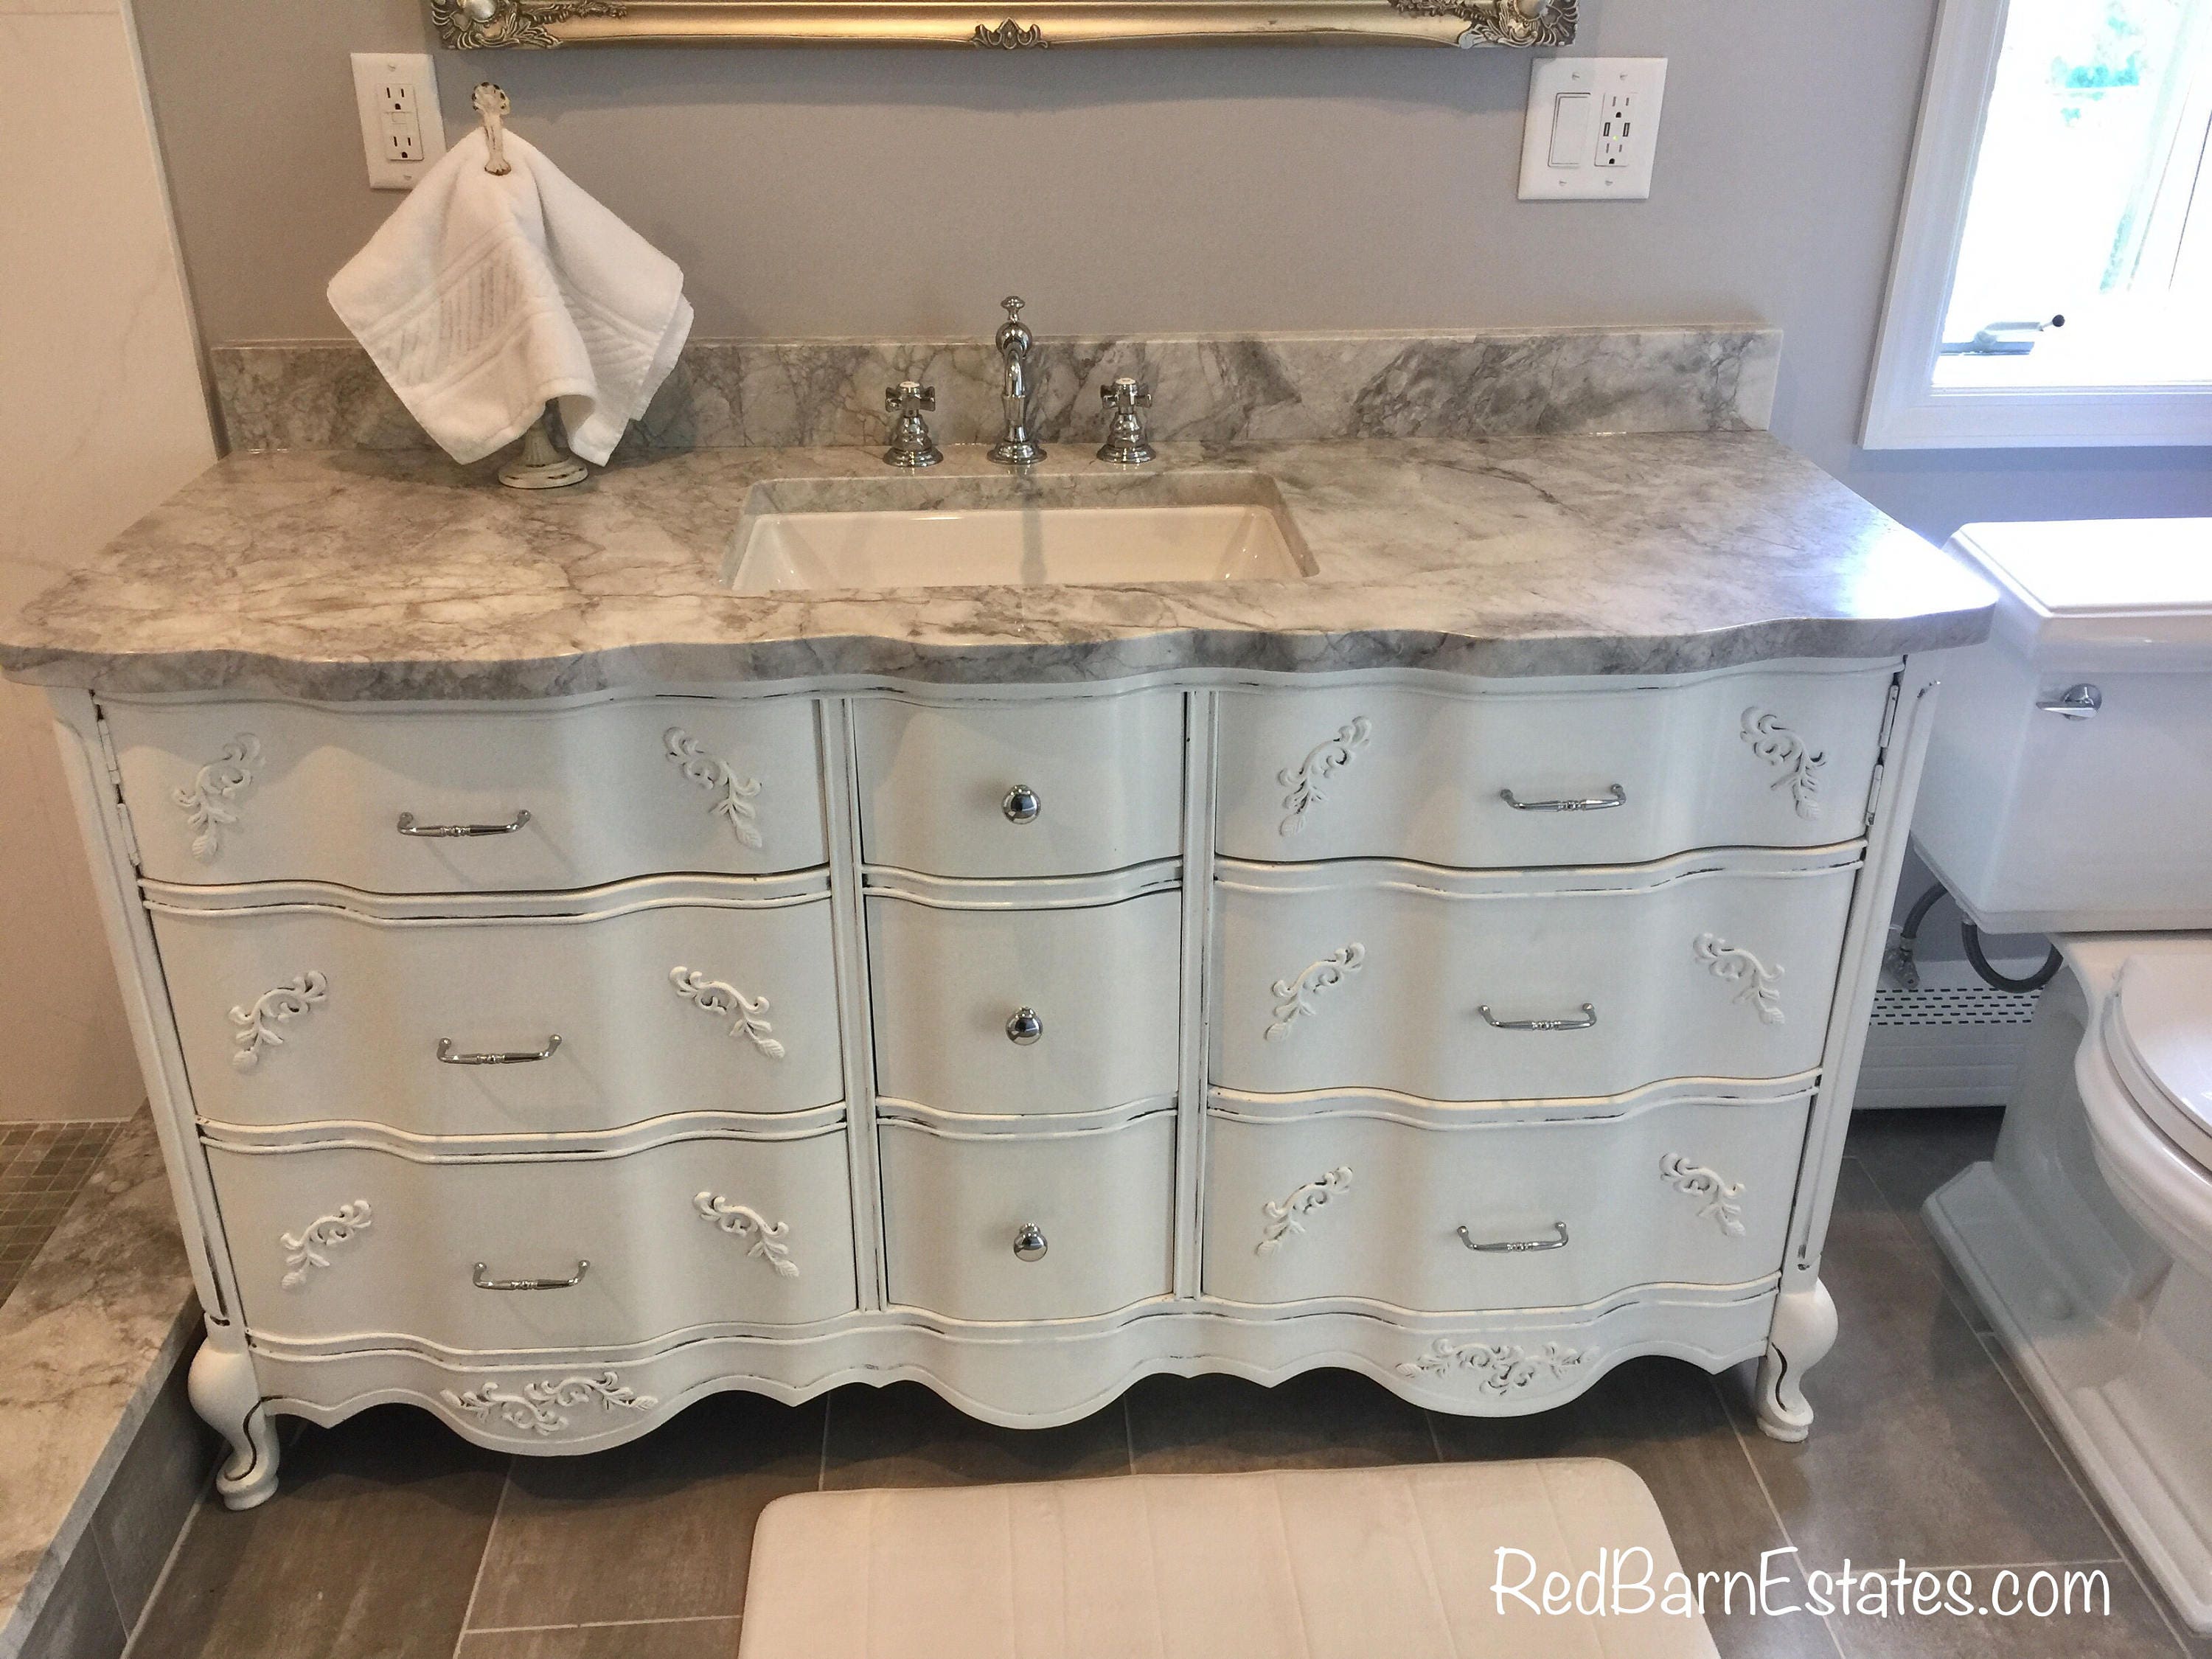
(1014,342)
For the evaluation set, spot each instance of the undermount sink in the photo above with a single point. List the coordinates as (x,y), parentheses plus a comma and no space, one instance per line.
(1081,530)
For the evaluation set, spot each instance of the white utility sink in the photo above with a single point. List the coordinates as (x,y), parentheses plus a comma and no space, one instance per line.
(1078,530)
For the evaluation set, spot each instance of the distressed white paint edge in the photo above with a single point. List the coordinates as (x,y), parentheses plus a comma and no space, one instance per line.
(848,931)
(1713,1328)
(1865,937)
(138,969)
(1199,790)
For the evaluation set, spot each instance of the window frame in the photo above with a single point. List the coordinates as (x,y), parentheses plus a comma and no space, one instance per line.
(1904,409)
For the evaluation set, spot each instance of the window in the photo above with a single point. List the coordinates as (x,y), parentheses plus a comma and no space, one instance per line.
(2053,278)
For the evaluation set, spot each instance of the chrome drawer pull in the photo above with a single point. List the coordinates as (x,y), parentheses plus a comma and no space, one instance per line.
(1589,1019)
(1022,804)
(1613,797)
(1024,1027)
(1029,1244)
(478,1280)
(448,1056)
(1515,1246)
(2075,703)
(408,827)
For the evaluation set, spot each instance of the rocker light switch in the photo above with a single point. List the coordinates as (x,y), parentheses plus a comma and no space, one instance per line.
(1593,130)
(1570,139)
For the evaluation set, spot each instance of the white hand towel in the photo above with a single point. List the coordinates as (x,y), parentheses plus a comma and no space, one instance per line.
(484,297)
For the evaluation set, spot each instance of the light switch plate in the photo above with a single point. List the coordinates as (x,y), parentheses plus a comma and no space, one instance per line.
(1593,130)
(402,131)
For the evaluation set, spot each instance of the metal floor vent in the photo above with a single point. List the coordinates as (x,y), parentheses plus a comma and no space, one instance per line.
(1941,1005)
(1945,1045)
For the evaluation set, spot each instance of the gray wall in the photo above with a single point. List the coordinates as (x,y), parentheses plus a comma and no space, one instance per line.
(901,192)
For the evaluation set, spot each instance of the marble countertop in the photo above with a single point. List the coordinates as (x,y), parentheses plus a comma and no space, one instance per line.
(346,576)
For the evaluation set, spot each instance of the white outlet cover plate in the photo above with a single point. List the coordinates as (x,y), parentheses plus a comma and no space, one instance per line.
(1593,129)
(372,72)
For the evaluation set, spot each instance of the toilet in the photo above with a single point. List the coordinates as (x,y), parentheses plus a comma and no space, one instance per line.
(2069,792)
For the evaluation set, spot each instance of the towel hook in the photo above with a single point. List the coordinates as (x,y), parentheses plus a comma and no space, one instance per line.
(492,105)
(541,465)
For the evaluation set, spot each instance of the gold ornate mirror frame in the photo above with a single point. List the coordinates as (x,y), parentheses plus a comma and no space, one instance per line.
(1007,25)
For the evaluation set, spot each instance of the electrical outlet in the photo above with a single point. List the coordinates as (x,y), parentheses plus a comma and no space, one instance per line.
(1592,131)
(402,131)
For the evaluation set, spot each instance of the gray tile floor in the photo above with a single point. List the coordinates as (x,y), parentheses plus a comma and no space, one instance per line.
(391,1537)
(42,1165)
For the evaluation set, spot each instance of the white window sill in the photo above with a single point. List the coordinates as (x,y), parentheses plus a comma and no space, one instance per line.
(2044,417)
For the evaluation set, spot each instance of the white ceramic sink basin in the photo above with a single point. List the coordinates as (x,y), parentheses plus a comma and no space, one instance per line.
(970,532)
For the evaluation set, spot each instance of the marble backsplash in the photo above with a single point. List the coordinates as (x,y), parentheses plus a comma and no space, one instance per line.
(1257,388)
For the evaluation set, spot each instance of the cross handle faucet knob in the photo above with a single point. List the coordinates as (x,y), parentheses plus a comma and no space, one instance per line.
(909,397)
(1126,443)
(1126,393)
(910,444)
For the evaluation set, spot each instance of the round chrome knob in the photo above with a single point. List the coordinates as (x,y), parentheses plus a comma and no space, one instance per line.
(1029,1244)
(1024,1027)
(1022,804)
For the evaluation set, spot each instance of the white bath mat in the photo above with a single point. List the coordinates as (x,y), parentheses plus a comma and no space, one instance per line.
(1338,1563)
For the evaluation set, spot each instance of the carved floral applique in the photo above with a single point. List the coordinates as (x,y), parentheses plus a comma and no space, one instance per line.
(1716,1197)
(742,1221)
(1753,979)
(309,1247)
(1304,779)
(1294,997)
(207,801)
(542,1409)
(714,997)
(257,1025)
(1779,747)
(1283,1214)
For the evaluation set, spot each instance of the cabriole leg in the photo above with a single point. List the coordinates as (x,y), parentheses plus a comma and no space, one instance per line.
(1803,1331)
(224,1392)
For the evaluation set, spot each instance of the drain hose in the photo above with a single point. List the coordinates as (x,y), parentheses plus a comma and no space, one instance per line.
(1971,937)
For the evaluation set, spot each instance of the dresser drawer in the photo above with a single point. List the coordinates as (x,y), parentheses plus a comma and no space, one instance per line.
(1103,776)
(271,791)
(355,1241)
(1340,1202)
(950,987)
(1374,976)
(956,1205)
(301,1013)
(1772,758)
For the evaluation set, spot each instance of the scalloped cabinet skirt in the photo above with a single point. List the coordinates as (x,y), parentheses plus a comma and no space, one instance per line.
(1335,1564)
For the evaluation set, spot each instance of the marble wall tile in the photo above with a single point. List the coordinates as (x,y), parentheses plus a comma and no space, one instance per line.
(102,415)
(1279,388)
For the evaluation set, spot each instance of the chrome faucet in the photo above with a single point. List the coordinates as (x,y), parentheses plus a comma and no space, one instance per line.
(1016,447)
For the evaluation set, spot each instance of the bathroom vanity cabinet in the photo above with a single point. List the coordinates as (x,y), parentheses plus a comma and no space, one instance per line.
(547,1064)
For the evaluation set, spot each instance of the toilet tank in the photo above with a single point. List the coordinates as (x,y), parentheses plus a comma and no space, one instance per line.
(2069,785)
